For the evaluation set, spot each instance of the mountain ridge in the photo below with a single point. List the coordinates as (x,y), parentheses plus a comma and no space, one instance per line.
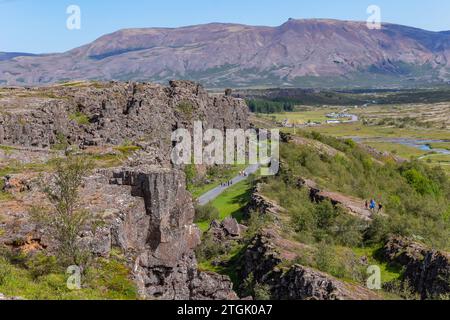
(296,53)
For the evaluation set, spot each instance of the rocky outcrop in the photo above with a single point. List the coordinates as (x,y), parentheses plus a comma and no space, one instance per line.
(228,229)
(302,283)
(146,209)
(114,113)
(261,204)
(264,259)
(427,271)
(161,238)
(352,205)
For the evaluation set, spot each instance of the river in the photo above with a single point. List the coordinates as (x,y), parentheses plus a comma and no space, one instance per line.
(421,144)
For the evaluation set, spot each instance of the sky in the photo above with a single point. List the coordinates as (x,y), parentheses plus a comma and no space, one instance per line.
(40,26)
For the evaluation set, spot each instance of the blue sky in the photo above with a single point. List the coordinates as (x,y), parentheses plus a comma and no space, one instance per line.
(39,26)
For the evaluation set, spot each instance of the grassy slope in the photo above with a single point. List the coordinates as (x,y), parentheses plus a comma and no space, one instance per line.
(109,280)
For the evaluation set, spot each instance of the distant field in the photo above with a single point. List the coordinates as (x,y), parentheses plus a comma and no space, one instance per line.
(386,122)
(299,117)
(441,145)
(403,151)
(421,115)
(360,130)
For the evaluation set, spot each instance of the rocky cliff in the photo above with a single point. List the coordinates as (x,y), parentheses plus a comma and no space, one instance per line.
(89,114)
(147,210)
(271,260)
(161,238)
(427,271)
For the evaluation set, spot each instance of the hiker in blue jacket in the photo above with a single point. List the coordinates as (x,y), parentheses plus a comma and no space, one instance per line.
(372,204)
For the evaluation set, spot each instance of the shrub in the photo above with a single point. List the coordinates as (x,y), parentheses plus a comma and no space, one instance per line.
(41,264)
(191,173)
(421,184)
(186,107)
(80,118)
(61,143)
(415,196)
(209,249)
(206,213)
(378,231)
(65,221)
(348,230)
(255,223)
(113,276)
(262,292)
(402,289)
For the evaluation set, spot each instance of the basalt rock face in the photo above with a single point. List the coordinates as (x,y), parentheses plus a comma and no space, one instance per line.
(261,204)
(112,113)
(426,270)
(264,258)
(148,212)
(162,237)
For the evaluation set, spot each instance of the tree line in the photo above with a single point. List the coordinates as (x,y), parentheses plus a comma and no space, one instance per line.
(267,106)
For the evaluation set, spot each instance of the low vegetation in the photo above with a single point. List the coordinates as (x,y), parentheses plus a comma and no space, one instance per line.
(40,277)
(80,118)
(65,221)
(416,197)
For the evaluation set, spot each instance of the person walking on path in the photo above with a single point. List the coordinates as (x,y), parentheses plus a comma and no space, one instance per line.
(380,207)
(372,204)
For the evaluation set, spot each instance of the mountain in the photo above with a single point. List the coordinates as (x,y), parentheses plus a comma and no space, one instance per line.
(313,52)
(10,55)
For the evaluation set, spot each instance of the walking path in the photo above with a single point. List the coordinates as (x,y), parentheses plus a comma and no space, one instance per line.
(214,193)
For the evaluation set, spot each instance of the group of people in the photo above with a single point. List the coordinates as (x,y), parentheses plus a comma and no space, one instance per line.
(373,206)
(230,183)
(226,184)
(243,173)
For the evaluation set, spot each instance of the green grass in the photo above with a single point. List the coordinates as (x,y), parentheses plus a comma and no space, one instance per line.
(232,259)
(441,145)
(80,118)
(231,202)
(301,117)
(107,280)
(7,148)
(99,161)
(186,108)
(216,180)
(440,160)
(127,149)
(403,151)
(360,130)
(388,272)
(15,167)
